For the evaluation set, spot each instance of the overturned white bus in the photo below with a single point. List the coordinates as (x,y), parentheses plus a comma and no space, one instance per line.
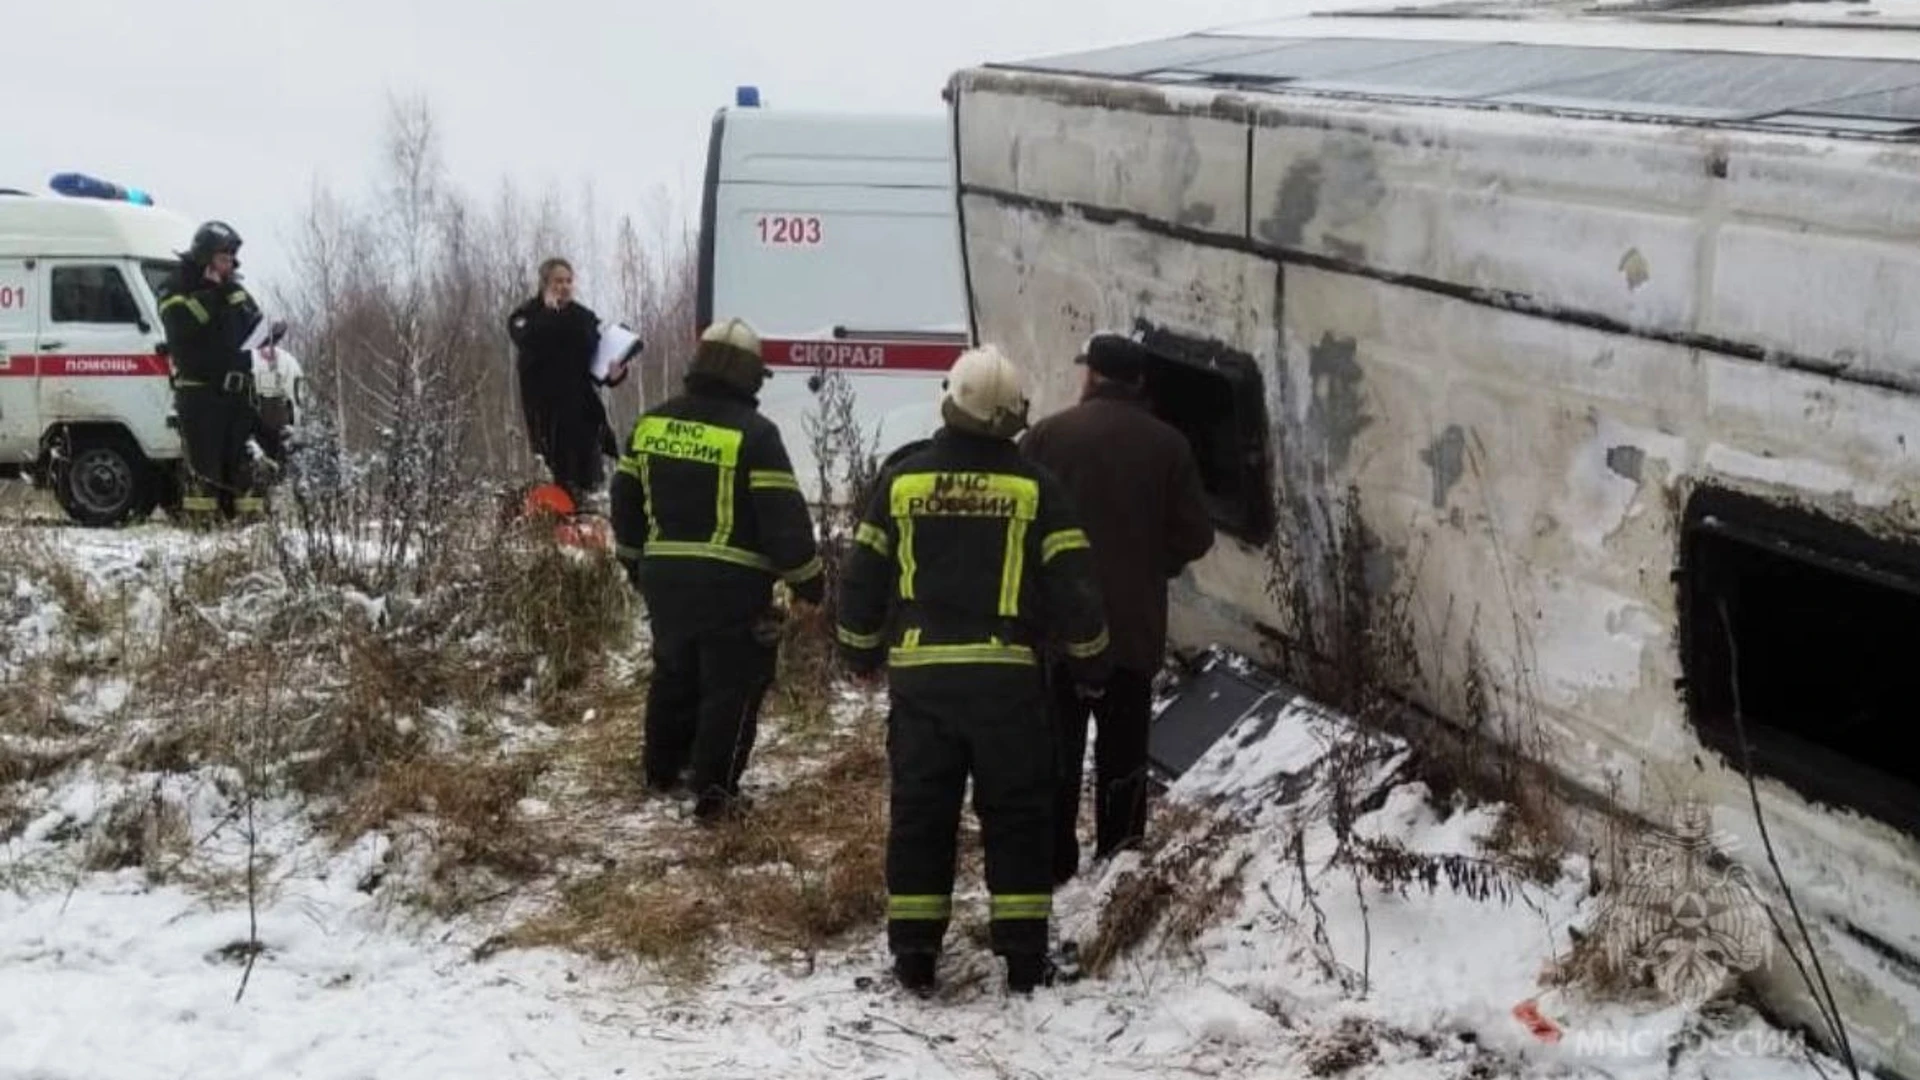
(1608,325)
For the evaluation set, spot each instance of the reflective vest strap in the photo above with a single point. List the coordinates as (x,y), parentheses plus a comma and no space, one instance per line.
(1007,907)
(855,640)
(193,306)
(723,505)
(805,572)
(920,908)
(677,549)
(772,480)
(907,563)
(1013,567)
(1087,650)
(1059,543)
(911,654)
(874,537)
(646,499)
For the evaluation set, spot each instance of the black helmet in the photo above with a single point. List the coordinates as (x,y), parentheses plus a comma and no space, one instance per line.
(212,239)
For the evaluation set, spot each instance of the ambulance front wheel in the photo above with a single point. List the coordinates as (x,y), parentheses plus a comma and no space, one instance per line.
(105,481)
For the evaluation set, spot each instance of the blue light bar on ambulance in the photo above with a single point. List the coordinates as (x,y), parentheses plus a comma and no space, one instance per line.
(747,97)
(81,186)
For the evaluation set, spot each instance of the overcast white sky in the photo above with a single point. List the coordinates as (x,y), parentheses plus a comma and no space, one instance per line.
(235,108)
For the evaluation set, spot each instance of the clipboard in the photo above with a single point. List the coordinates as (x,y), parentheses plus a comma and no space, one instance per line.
(618,346)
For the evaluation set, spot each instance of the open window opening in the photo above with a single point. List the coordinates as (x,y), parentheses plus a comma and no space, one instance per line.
(1821,627)
(1216,397)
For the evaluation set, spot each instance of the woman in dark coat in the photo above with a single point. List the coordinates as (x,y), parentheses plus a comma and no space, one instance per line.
(555,339)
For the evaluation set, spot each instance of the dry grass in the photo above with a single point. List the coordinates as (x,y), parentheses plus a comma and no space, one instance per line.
(464,812)
(1181,885)
(605,751)
(144,829)
(800,872)
(557,613)
(409,716)
(640,916)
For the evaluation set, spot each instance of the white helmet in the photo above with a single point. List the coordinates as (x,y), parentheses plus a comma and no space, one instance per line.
(984,392)
(735,332)
(729,351)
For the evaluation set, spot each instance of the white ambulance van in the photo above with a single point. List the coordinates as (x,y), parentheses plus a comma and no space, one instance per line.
(835,236)
(86,407)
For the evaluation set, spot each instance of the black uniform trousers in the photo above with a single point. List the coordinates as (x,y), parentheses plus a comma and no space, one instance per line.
(703,708)
(993,727)
(1123,713)
(574,458)
(215,424)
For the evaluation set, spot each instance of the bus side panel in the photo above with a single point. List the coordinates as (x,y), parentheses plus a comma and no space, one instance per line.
(1519,470)
(1188,170)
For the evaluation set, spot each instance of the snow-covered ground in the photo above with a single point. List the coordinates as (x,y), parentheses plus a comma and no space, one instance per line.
(1274,957)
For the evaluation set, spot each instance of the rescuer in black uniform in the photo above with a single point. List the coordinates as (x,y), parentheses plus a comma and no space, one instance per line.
(967,564)
(207,317)
(707,514)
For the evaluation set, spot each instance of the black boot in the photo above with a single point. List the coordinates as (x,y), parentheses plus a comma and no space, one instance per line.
(1026,971)
(715,808)
(915,971)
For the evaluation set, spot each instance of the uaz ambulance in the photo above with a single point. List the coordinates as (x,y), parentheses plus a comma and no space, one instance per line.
(835,236)
(86,408)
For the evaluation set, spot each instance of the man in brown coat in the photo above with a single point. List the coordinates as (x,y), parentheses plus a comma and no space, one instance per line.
(1137,487)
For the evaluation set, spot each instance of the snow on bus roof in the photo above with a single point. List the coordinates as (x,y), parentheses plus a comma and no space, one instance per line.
(1666,62)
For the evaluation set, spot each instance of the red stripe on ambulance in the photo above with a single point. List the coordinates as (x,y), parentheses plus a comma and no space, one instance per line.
(860,355)
(76,366)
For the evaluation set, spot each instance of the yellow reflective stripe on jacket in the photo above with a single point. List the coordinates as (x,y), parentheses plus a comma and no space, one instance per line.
(1013,567)
(682,549)
(1063,541)
(873,536)
(914,655)
(1012,906)
(922,908)
(772,480)
(967,495)
(238,297)
(908,565)
(854,640)
(805,572)
(1087,650)
(190,304)
(723,506)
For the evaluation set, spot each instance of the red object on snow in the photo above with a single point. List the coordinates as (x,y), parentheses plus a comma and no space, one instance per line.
(550,499)
(1528,1013)
(571,528)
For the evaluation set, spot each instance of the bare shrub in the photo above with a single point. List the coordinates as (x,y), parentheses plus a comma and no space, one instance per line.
(1180,887)
(145,829)
(1357,650)
(846,462)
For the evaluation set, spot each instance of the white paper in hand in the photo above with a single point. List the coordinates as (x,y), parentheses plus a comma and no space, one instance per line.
(618,346)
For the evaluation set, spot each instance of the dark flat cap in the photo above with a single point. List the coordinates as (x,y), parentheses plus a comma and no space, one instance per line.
(1115,357)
